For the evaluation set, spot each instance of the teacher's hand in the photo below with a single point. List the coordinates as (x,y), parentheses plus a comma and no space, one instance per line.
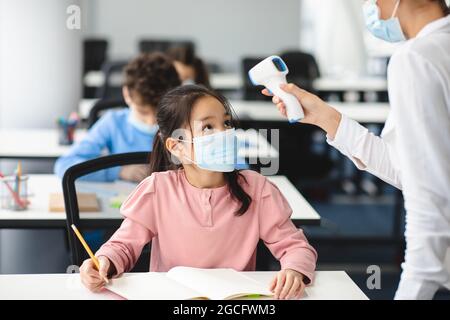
(317,111)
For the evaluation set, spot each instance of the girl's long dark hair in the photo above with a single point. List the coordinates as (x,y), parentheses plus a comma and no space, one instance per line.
(174,111)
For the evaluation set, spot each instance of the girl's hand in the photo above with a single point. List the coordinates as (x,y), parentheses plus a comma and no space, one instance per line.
(92,278)
(287,284)
(317,112)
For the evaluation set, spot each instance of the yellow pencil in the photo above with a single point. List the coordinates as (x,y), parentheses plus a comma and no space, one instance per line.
(88,250)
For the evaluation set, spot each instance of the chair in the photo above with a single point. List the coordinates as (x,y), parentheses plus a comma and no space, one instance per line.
(148,45)
(111,89)
(303,68)
(101,106)
(94,55)
(71,201)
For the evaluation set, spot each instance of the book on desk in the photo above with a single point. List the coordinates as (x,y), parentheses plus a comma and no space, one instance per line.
(185,283)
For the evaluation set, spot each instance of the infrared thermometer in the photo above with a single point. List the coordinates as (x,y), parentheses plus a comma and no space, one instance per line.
(271,73)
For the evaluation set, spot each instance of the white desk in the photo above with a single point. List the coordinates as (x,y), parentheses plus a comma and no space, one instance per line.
(303,213)
(223,81)
(41,185)
(43,144)
(97,79)
(329,285)
(227,81)
(38,215)
(366,84)
(266,111)
(234,81)
(364,112)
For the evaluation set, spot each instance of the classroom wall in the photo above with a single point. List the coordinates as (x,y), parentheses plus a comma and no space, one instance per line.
(224,30)
(40,72)
(40,63)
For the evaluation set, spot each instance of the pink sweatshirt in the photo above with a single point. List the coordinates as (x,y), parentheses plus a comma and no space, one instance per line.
(195,227)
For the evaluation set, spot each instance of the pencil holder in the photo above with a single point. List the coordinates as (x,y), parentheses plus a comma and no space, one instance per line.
(14,193)
(66,133)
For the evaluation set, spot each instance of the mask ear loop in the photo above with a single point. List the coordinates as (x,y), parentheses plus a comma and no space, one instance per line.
(394,13)
(185,157)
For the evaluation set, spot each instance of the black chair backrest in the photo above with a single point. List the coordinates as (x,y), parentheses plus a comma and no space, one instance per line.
(110,89)
(71,201)
(101,106)
(94,54)
(249,90)
(303,68)
(152,45)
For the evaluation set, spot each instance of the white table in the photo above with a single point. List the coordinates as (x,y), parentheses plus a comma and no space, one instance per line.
(97,79)
(303,213)
(328,285)
(234,81)
(41,185)
(38,214)
(223,81)
(366,84)
(43,144)
(266,111)
(227,81)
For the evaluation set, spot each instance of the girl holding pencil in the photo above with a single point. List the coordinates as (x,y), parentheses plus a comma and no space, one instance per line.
(197,209)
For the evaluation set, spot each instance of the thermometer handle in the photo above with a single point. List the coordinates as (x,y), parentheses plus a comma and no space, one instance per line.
(293,107)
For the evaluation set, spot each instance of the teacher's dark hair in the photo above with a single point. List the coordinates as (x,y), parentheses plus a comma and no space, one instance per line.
(444,6)
(174,112)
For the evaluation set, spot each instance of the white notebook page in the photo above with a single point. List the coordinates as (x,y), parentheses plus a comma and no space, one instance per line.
(217,284)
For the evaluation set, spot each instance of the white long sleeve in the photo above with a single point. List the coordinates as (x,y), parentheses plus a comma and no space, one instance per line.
(367,151)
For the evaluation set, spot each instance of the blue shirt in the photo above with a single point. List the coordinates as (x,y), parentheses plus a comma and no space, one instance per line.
(112,133)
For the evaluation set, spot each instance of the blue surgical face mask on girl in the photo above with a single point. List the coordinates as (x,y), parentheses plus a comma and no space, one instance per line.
(141,125)
(215,152)
(389,30)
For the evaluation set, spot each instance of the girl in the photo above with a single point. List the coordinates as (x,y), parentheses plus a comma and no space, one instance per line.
(199,211)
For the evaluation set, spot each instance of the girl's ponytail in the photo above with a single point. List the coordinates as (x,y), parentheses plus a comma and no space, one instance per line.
(159,158)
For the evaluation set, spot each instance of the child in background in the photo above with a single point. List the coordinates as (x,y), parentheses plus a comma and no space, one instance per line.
(192,70)
(147,79)
(197,210)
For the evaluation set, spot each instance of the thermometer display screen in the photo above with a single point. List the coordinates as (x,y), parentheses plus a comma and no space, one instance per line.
(279,64)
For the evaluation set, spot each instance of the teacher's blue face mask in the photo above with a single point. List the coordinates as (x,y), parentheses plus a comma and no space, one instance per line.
(389,30)
(215,152)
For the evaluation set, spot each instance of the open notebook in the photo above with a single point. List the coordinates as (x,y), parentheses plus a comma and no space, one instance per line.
(182,283)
